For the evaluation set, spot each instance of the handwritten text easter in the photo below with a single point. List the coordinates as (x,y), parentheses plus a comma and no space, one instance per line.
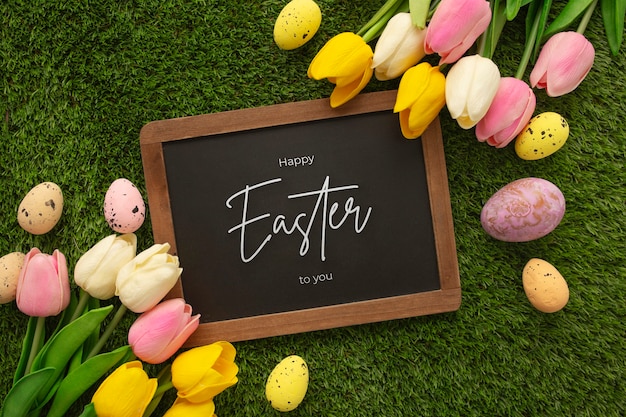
(331,217)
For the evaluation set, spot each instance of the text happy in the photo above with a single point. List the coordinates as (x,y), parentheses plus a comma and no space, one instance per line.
(298,161)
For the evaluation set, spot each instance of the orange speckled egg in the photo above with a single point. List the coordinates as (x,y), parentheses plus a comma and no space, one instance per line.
(544,286)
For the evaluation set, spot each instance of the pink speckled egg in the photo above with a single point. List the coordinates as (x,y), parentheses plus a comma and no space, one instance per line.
(523,210)
(124,209)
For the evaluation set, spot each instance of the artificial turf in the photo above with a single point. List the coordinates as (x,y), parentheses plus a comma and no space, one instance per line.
(79,80)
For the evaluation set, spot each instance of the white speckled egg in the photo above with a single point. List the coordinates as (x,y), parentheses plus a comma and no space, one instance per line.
(124,208)
(545,134)
(297,23)
(544,286)
(287,383)
(523,210)
(10,267)
(41,209)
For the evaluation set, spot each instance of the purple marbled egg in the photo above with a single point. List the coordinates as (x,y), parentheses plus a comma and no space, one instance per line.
(523,210)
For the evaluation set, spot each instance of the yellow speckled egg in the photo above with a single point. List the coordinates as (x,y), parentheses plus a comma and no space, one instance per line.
(545,134)
(41,208)
(287,383)
(544,286)
(297,23)
(10,267)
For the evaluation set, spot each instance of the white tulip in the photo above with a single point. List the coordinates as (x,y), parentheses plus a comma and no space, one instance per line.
(96,270)
(471,85)
(143,282)
(400,46)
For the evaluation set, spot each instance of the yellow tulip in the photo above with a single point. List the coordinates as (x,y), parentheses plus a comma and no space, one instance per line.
(421,96)
(184,408)
(125,393)
(201,373)
(346,61)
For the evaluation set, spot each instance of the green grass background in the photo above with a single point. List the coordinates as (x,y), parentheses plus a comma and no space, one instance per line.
(80,78)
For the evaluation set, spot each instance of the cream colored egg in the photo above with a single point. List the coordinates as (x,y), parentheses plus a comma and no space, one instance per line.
(545,134)
(297,23)
(41,209)
(544,286)
(10,267)
(287,383)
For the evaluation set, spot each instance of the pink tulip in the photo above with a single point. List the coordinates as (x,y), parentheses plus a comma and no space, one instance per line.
(159,332)
(455,26)
(564,62)
(43,287)
(509,112)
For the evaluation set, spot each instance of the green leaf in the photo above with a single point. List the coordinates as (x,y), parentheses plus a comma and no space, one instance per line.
(512,8)
(613,15)
(419,12)
(91,341)
(572,11)
(536,23)
(82,378)
(89,411)
(60,348)
(24,393)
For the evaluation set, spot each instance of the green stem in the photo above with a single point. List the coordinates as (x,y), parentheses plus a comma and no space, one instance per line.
(375,29)
(163,388)
(119,314)
(488,41)
(582,26)
(389,5)
(83,299)
(38,337)
(528,48)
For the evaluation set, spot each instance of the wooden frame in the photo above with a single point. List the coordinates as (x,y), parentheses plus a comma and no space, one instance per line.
(447,298)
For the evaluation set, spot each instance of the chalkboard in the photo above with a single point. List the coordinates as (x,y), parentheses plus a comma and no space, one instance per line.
(299,217)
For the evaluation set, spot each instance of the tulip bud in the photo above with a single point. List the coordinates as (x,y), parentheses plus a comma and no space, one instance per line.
(563,63)
(400,46)
(125,393)
(346,61)
(201,373)
(510,111)
(471,85)
(421,96)
(455,26)
(43,287)
(145,280)
(159,332)
(96,271)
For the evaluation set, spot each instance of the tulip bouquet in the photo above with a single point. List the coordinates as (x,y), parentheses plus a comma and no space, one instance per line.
(55,371)
(473,89)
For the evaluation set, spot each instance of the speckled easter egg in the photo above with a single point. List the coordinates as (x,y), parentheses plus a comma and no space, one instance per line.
(124,208)
(297,23)
(10,267)
(523,210)
(544,286)
(287,383)
(545,134)
(41,209)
